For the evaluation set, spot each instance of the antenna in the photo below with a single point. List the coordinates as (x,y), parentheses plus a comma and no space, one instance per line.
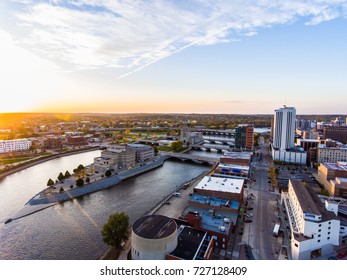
(285,102)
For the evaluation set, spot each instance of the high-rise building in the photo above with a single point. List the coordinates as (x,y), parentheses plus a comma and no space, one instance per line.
(284,128)
(283,146)
(244,137)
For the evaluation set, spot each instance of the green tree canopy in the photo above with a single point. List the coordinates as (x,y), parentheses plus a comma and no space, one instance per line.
(61,176)
(79,182)
(80,167)
(116,229)
(67,174)
(50,182)
(108,173)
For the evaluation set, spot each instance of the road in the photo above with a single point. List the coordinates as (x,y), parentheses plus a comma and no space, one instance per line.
(258,233)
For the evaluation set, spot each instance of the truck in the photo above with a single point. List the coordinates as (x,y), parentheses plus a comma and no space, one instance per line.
(276,229)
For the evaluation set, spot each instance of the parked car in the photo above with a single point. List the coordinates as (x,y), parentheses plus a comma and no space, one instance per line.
(250,208)
(250,215)
(248,220)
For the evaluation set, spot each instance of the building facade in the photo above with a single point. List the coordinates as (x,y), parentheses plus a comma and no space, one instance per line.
(314,230)
(337,133)
(244,137)
(143,152)
(7,146)
(331,154)
(284,128)
(119,157)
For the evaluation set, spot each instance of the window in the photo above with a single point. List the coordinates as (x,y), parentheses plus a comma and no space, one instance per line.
(329,223)
(329,227)
(320,225)
(319,230)
(318,240)
(216,243)
(223,246)
(328,238)
(329,232)
(215,237)
(296,245)
(318,235)
(223,239)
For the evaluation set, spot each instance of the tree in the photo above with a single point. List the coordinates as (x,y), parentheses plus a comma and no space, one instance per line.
(50,182)
(176,146)
(79,182)
(80,167)
(61,190)
(61,176)
(108,173)
(67,174)
(116,230)
(87,180)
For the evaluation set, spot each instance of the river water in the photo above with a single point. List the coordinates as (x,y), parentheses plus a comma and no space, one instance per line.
(72,230)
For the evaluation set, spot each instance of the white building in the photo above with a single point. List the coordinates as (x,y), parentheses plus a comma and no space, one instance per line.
(143,152)
(283,146)
(284,128)
(14,145)
(314,229)
(219,187)
(153,237)
(331,154)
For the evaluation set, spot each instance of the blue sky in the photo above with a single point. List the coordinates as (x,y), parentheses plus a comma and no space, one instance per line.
(173,56)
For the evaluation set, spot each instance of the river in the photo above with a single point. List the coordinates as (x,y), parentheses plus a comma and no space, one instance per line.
(72,230)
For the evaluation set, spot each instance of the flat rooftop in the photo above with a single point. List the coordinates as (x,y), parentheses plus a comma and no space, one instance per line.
(154,226)
(189,243)
(221,184)
(206,200)
(231,216)
(215,223)
(342,166)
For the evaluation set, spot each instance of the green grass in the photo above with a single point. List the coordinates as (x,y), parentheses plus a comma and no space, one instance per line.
(13,160)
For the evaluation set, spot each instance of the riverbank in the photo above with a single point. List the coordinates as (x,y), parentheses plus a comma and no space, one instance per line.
(170,206)
(41,201)
(44,159)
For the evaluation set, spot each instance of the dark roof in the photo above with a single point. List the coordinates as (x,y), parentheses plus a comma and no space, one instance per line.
(305,199)
(189,241)
(154,227)
(326,215)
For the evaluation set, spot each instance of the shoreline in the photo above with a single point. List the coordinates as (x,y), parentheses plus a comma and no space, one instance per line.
(45,159)
(38,202)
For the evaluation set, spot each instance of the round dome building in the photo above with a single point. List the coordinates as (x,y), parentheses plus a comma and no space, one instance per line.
(153,237)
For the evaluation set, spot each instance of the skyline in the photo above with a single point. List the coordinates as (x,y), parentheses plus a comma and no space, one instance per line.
(203,57)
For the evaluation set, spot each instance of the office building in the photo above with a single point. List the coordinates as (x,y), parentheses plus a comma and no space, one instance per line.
(283,146)
(117,157)
(314,230)
(143,152)
(244,137)
(284,128)
(219,187)
(330,171)
(331,154)
(337,133)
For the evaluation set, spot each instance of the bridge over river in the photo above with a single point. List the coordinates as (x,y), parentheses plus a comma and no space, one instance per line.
(190,157)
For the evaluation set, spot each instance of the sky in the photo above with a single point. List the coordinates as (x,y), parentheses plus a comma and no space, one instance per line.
(213,56)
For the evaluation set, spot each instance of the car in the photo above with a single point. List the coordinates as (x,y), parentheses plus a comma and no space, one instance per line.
(248,220)
(250,208)
(332,258)
(250,215)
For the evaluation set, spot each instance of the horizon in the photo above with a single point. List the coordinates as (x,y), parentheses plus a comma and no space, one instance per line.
(192,58)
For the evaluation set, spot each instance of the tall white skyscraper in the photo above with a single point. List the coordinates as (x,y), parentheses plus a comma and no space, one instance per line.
(284,128)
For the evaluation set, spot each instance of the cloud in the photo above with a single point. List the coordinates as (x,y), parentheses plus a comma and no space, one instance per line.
(131,35)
